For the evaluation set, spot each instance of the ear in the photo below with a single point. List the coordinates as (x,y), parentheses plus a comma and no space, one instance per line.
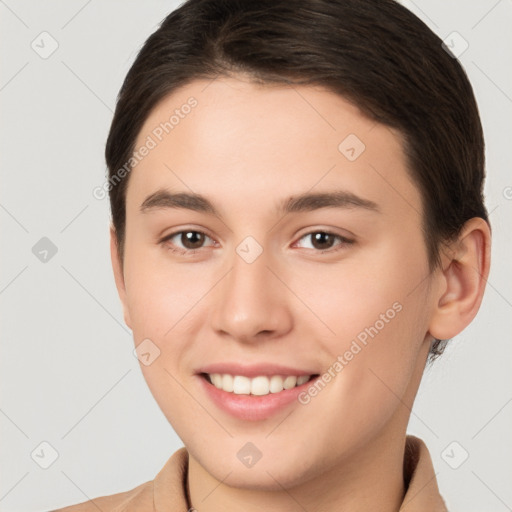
(118,275)
(465,268)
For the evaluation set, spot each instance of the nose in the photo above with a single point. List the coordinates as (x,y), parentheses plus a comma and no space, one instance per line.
(251,303)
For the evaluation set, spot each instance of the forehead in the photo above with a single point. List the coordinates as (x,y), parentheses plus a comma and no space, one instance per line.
(234,138)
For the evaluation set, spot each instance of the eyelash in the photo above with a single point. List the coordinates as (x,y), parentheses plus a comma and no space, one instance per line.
(190,252)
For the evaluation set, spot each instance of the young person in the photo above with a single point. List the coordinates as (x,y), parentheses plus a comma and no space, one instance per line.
(297,227)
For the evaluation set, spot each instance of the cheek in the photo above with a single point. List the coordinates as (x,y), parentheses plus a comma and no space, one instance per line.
(372,372)
(361,294)
(377,312)
(161,297)
(176,399)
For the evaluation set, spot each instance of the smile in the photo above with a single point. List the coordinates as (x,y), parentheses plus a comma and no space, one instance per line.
(260,385)
(255,391)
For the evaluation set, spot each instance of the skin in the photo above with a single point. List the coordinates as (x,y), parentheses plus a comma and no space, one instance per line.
(247,148)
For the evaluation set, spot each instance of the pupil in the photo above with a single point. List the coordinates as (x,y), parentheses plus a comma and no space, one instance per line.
(193,239)
(322,238)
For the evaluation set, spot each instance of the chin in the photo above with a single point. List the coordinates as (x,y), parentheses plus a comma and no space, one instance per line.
(267,474)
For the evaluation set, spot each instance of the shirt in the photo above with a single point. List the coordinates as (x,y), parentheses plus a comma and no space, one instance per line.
(167,492)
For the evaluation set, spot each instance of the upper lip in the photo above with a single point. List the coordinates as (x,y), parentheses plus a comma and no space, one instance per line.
(253,370)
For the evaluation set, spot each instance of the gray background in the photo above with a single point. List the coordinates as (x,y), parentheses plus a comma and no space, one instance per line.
(68,374)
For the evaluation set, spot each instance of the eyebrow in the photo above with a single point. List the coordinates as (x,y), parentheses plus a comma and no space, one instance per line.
(308,201)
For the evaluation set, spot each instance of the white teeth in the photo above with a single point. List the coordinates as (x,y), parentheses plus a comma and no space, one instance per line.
(216,379)
(276,384)
(241,385)
(289,382)
(302,379)
(262,385)
(227,382)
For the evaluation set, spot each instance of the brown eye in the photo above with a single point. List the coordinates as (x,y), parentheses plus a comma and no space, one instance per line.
(186,240)
(322,240)
(326,241)
(192,239)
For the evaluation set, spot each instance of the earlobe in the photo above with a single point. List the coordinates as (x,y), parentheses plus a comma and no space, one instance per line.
(118,275)
(465,269)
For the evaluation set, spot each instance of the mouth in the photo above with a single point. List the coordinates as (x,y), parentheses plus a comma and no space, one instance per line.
(255,391)
(260,385)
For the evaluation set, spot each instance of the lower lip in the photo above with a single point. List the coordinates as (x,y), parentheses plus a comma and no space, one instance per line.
(253,407)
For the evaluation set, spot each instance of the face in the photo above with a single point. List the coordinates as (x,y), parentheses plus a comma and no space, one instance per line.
(274,233)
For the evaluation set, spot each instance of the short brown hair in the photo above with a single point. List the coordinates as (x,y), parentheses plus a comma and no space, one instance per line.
(374,53)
